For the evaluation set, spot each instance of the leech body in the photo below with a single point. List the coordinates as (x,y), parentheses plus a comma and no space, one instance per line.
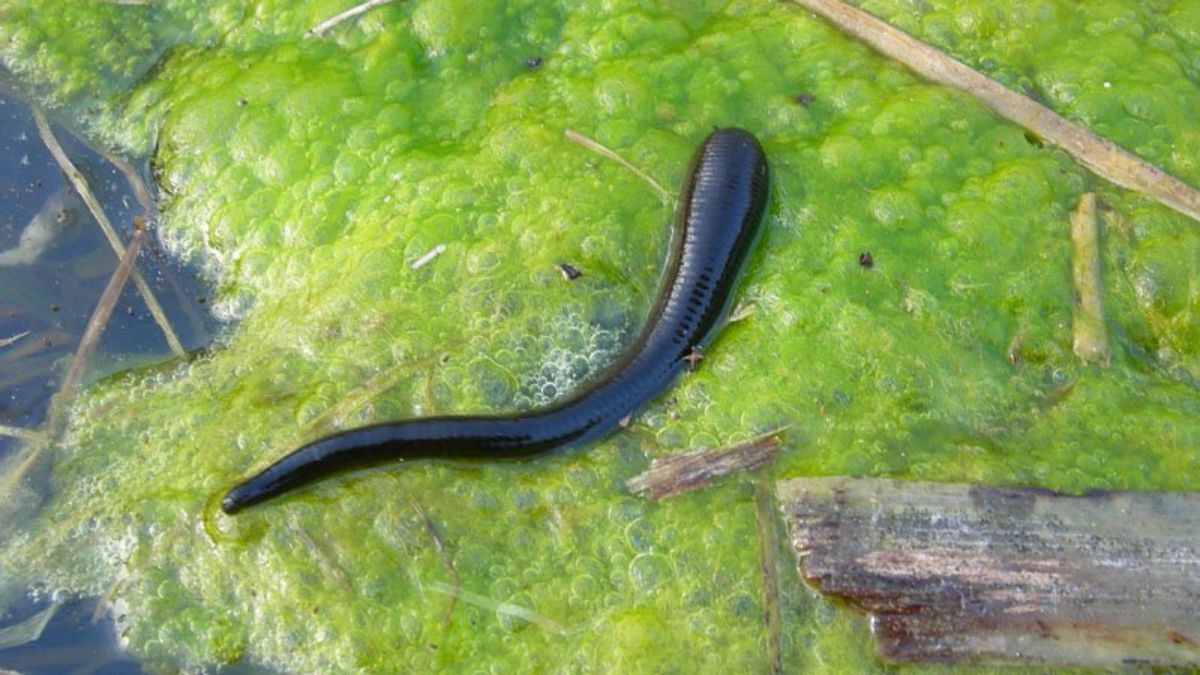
(716,225)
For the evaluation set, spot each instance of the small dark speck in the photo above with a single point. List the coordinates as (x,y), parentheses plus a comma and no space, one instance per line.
(1034,140)
(54,308)
(804,99)
(47,343)
(533,62)
(865,260)
(242,102)
(569,271)
(202,299)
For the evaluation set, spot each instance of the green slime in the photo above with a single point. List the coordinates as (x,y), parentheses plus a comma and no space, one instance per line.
(307,174)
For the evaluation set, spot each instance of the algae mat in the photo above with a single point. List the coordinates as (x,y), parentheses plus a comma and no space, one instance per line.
(307,175)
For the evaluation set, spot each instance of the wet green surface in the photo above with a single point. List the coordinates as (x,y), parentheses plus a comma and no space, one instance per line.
(309,174)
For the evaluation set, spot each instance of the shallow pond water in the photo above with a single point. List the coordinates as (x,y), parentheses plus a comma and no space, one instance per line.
(54,263)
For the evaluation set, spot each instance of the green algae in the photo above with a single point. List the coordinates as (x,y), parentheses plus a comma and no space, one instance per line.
(307,175)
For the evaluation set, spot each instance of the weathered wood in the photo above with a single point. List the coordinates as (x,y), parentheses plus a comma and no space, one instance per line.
(1090,336)
(770,543)
(673,474)
(962,574)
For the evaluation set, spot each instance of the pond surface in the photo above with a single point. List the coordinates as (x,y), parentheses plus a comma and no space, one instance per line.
(54,264)
(908,313)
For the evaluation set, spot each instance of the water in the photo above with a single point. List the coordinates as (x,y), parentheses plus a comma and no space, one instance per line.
(54,264)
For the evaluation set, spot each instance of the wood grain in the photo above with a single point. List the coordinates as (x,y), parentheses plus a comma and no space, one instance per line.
(965,574)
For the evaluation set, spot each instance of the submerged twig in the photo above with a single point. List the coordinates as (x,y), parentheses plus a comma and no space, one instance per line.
(98,322)
(1101,156)
(81,186)
(594,146)
(675,474)
(324,27)
(150,213)
(505,608)
(329,566)
(1087,325)
(140,191)
(13,338)
(18,432)
(56,421)
(447,562)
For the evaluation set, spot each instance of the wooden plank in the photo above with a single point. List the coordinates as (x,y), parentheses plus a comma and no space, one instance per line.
(964,574)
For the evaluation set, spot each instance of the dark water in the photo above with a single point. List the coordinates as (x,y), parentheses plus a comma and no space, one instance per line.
(78,640)
(49,286)
(48,300)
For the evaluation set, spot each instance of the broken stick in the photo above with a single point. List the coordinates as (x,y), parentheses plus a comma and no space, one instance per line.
(100,316)
(675,474)
(1087,325)
(327,25)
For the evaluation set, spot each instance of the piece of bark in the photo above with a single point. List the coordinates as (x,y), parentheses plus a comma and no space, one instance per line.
(963,574)
(673,474)
(1087,325)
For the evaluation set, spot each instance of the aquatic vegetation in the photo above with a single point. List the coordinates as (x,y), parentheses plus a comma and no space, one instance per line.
(308,175)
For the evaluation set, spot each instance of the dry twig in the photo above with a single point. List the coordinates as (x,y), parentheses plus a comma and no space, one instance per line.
(428,257)
(324,27)
(81,186)
(1091,340)
(1101,156)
